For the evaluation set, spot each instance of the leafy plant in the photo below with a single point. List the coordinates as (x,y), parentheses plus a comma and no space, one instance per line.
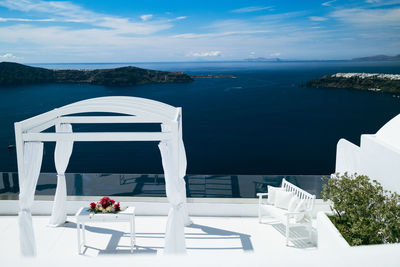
(363,211)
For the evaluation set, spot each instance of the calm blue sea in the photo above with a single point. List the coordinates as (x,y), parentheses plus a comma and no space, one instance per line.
(262,122)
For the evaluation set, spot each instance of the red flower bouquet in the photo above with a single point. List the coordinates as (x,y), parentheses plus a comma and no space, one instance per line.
(105,205)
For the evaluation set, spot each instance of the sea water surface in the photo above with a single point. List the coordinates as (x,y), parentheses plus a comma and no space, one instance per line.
(261,122)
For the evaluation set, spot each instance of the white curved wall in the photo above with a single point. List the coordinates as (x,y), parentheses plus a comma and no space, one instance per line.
(378,156)
(347,157)
(390,132)
(380,162)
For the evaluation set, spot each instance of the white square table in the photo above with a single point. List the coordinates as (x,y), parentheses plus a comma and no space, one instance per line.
(84,216)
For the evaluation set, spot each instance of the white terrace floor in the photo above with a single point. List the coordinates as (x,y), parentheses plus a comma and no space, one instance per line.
(206,236)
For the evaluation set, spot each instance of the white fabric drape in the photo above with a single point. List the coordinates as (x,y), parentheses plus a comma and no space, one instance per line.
(174,163)
(32,162)
(174,234)
(62,154)
(182,173)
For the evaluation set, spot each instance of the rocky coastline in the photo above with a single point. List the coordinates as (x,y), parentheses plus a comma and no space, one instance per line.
(376,82)
(12,74)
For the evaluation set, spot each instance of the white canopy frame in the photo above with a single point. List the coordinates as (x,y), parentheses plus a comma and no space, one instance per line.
(29,137)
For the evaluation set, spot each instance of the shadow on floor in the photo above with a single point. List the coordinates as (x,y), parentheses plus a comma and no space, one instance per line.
(113,243)
(220,234)
(208,233)
(298,236)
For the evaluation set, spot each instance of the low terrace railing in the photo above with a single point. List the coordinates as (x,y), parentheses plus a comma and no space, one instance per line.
(153,185)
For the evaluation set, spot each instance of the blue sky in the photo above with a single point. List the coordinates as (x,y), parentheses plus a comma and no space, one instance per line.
(148,31)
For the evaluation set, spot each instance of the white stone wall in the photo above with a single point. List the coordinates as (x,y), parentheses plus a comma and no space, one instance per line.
(328,236)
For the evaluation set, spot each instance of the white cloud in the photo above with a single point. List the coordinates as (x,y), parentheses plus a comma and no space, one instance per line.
(381,3)
(51,44)
(328,3)
(63,11)
(125,26)
(146,17)
(369,17)
(316,18)
(276,54)
(252,54)
(217,34)
(25,20)
(205,54)
(104,38)
(8,56)
(178,18)
(250,9)
(283,16)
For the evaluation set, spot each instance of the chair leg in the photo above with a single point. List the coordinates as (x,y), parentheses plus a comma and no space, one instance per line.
(287,234)
(310,233)
(84,234)
(78,230)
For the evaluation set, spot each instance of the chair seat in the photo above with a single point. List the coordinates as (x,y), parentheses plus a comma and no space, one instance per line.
(279,214)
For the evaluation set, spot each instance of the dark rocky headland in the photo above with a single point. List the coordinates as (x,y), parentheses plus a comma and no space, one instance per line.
(378,58)
(18,74)
(389,83)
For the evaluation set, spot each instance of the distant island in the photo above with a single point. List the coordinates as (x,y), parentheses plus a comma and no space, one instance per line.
(214,76)
(19,74)
(360,59)
(263,59)
(378,58)
(389,83)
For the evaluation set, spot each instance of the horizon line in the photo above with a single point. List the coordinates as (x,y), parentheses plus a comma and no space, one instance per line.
(189,61)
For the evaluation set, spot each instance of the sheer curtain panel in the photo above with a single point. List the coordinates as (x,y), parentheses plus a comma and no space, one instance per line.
(62,155)
(32,161)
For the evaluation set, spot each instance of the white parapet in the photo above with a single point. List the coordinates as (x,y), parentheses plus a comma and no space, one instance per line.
(328,235)
(156,206)
(347,157)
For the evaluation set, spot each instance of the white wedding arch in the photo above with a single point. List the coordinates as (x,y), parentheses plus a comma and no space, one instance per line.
(29,137)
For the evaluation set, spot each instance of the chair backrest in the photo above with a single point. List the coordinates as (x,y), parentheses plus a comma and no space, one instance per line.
(300,193)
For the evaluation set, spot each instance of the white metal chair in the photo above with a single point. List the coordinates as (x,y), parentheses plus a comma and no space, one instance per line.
(289,219)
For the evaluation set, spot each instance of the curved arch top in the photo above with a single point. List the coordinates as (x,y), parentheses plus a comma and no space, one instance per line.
(135,106)
(146,109)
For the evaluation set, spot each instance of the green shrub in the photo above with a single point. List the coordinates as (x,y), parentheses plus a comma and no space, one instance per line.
(363,211)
